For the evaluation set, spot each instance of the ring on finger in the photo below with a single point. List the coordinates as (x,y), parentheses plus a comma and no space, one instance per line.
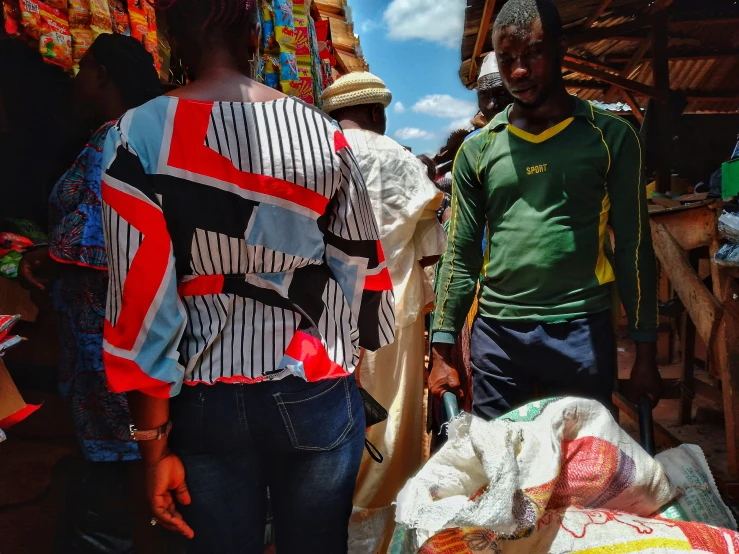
(153,521)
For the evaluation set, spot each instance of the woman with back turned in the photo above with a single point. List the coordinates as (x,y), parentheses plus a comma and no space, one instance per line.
(245,264)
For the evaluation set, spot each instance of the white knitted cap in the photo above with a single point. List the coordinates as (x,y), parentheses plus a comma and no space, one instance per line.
(489,74)
(355,89)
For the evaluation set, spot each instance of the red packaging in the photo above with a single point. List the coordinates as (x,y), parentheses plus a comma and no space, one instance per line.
(55,43)
(121,24)
(137,17)
(12,17)
(79,13)
(31,18)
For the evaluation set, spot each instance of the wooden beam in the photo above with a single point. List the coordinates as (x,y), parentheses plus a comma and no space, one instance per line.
(591,63)
(727,98)
(633,104)
(601,33)
(602,7)
(701,305)
(487,16)
(661,73)
(677,55)
(631,66)
(727,356)
(641,88)
(691,228)
(587,85)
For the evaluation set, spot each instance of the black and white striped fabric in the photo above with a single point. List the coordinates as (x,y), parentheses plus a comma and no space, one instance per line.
(242,247)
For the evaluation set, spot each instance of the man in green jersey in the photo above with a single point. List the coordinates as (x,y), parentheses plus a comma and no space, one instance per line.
(542,182)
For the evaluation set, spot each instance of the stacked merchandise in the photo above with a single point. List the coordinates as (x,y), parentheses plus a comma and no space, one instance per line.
(6,340)
(289,50)
(63,30)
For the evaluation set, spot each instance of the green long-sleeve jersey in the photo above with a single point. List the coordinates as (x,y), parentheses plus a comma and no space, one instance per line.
(544,203)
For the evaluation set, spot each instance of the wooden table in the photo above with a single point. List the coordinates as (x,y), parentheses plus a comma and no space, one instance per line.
(682,236)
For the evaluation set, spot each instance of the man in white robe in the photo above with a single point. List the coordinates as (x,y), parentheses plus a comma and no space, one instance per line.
(404,202)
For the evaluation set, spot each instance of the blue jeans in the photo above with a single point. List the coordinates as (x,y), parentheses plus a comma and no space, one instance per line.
(510,359)
(302,440)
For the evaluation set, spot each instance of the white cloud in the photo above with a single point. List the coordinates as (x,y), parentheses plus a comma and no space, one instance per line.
(369,25)
(398,107)
(461,123)
(440,21)
(412,133)
(445,106)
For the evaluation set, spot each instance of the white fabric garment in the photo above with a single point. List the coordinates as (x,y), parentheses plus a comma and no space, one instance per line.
(404,201)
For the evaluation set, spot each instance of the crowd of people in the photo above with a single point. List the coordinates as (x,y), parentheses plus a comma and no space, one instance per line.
(242,279)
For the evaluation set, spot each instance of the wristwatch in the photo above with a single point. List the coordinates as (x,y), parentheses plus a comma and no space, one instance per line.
(150,434)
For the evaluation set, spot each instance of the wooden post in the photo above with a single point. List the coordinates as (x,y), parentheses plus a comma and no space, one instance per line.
(727,356)
(661,69)
(687,337)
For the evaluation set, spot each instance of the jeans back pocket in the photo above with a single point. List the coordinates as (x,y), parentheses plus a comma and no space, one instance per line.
(318,418)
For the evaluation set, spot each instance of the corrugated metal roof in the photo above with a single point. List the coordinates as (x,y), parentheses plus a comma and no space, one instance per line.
(697,77)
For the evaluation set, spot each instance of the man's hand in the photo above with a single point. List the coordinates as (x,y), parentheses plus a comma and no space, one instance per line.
(645,377)
(165,482)
(444,377)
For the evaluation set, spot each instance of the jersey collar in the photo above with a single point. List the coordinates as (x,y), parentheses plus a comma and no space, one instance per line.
(582,109)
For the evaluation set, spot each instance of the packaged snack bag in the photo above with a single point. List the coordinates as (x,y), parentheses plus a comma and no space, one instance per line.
(56,41)
(81,41)
(31,18)
(137,16)
(151,43)
(272,72)
(119,15)
(12,17)
(269,39)
(100,13)
(79,13)
(58,4)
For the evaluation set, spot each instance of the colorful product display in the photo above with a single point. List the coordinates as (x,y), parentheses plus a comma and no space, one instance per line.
(296,55)
(289,58)
(63,30)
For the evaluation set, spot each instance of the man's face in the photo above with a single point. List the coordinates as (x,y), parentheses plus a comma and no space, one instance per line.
(528,63)
(492,101)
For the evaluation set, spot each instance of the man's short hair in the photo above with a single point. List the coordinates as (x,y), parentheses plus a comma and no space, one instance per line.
(522,13)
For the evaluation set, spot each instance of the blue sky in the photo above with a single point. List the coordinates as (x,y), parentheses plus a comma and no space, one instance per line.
(414,46)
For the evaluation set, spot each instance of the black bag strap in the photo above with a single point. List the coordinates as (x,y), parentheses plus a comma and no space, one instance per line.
(373,452)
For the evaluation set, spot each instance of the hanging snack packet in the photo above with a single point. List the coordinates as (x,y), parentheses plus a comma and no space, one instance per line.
(81,41)
(56,41)
(119,15)
(101,21)
(12,17)
(79,13)
(139,25)
(31,18)
(150,38)
(58,4)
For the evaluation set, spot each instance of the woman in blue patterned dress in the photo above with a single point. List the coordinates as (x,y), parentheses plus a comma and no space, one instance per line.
(115,75)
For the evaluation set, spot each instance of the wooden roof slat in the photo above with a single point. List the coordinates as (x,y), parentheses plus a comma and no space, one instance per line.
(602,7)
(628,84)
(487,16)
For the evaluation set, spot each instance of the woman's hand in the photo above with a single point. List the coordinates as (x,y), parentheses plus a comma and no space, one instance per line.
(165,483)
(35,270)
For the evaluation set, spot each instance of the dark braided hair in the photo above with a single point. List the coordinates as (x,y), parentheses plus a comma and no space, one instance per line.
(209,14)
(522,13)
(129,66)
